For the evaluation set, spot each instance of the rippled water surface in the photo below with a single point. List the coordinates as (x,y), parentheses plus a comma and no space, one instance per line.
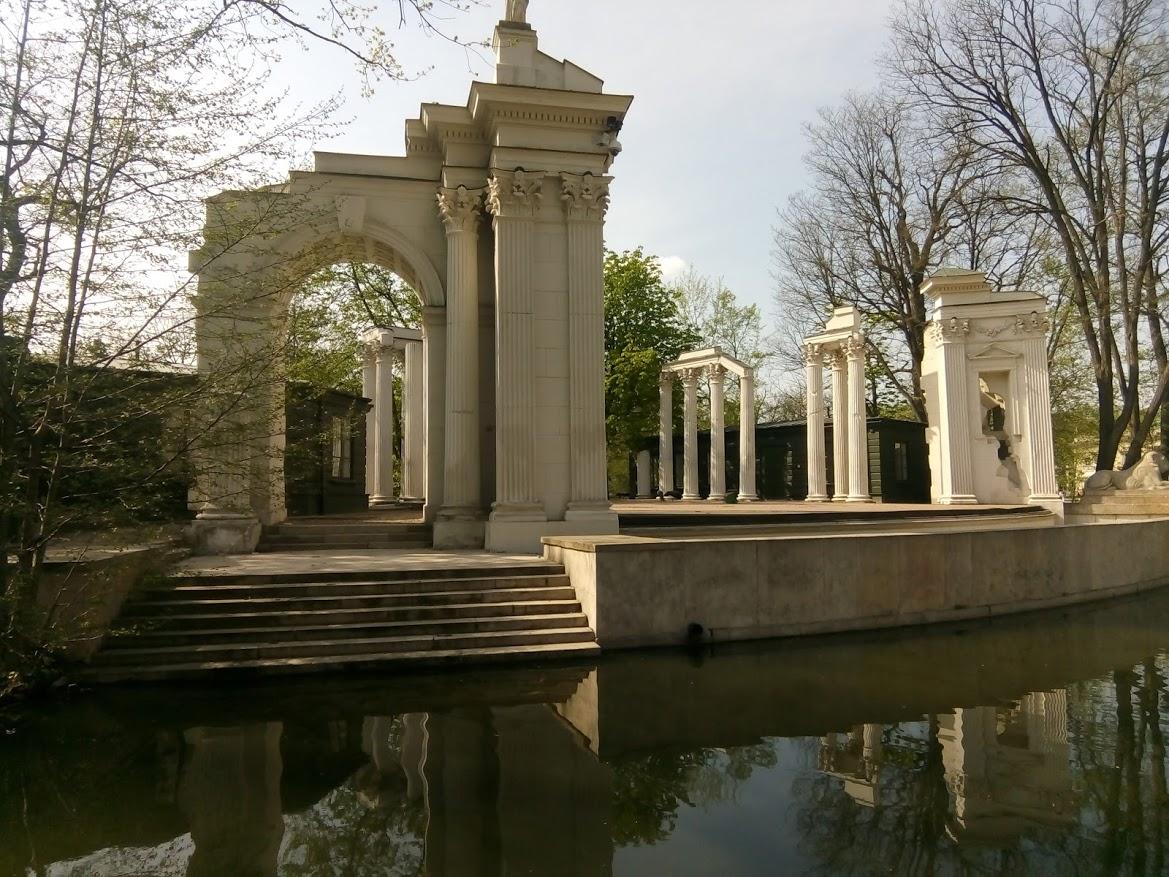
(1033,745)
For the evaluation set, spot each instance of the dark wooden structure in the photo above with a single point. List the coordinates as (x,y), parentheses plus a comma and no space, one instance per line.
(898,460)
(324,458)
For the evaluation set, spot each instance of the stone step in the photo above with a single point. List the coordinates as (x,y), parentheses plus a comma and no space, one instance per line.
(364,545)
(388,646)
(229,605)
(387,575)
(215,620)
(327,588)
(374,630)
(342,527)
(429,657)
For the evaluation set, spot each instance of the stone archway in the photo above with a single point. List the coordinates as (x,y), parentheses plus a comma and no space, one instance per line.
(508,263)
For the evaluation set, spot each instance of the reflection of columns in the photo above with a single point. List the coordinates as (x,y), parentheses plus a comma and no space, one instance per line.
(413,423)
(666,433)
(840,431)
(586,199)
(718,436)
(514,199)
(814,373)
(690,435)
(383,419)
(858,433)
(747,439)
(644,476)
(414,740)
(460,210)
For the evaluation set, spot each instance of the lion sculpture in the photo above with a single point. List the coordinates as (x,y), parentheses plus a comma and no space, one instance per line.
(1148,474)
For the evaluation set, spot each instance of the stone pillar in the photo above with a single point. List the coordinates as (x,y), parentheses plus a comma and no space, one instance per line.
(644,476)
(513,200)
(840,418)
(747,439)
(369,391)
(718,436)
(413,423)
(461,210)
(383,422)
(690,436)
(814,374)
(858,420)
(1037,392)
(586,199)
(954,424)
(434,443)
(666,433)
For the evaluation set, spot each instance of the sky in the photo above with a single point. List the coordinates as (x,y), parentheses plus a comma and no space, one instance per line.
(713,141)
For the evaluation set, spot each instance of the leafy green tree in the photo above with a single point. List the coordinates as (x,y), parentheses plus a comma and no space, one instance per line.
(644,329)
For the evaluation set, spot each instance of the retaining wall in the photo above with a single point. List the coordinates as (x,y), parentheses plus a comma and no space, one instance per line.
(648,591)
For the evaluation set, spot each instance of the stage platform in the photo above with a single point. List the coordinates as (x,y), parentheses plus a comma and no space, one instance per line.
(649,517)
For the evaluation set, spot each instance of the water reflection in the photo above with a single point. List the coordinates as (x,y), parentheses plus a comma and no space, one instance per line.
(1017,747)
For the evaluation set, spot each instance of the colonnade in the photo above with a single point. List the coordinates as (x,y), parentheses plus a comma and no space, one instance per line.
(384,348)
(692,367)
(840,347)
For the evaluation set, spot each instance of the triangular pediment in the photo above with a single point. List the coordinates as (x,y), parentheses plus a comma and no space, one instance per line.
(995,351)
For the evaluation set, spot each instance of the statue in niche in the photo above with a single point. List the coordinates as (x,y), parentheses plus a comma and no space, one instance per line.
(994,425)
(1148,474)
(517,11)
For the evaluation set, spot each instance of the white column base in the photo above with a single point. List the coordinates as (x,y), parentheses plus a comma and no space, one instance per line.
(840,498)
(958,499)
(525,513)
(858,499)
(754,497)
(816,497)
(518,537)
(220,534)
(382,502)
(692,497)
(459,528)
(717,497)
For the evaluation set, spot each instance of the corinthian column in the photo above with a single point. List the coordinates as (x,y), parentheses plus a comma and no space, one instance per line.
(814,373)
(586,198)
(954,428)
(380,349)
(1037,390)
(840,431)
(747,491)
(690,489)
(413,423)
(513,198)
(858,433)
(461,209)
(666,433)
(718,436)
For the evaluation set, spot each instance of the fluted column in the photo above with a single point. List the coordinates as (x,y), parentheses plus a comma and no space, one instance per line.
(814,374)
(955,427)
(1037,392)
(513,198)
(666,433)
(461,210)
(434,442)
(413,423)
(690,488)
(747,490)
(718,435)
(840,419)
(586,199)
(383,427)
(644,478)
(858,433)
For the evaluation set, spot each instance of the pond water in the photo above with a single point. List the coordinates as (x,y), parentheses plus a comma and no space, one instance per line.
(1033,745)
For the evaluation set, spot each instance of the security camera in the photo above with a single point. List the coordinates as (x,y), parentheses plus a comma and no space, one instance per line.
(609,142)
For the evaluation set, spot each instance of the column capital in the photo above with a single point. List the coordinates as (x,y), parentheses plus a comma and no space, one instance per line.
(813,353)
(716,372)
(690,376)
(515,193)
(854,347)
(585,197)
(460,208)
(666,380)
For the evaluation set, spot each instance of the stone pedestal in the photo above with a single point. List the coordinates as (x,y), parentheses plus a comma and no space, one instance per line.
(221,534)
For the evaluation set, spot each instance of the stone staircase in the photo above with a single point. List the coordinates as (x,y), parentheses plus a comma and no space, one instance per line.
(334,533)
(242,624)
(1119,505)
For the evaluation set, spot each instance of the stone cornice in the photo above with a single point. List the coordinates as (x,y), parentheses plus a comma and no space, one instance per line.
(585,196)
(514,193)
(460,208)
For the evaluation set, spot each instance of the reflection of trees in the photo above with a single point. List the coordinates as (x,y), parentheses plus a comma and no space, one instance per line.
(367,825)
(903,833)
(649,789)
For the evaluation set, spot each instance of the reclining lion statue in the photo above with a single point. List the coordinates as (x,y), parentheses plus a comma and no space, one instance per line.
(1148,474)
